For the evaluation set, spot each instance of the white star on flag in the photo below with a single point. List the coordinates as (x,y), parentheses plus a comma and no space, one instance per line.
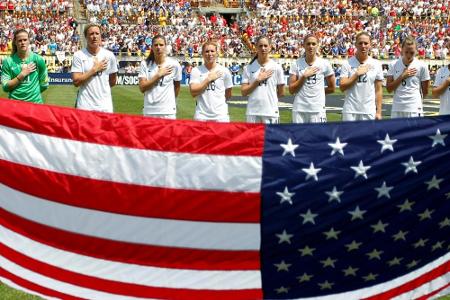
(334,195)
(406,205)
(308,217)
(379,227)
(433,183)
(311,172)
(411,165)
(305,277)
(306,251)
(332,234)
(329,262)
(350,271)
(289,148)
(354,245)
(361,170)
(400,235)
(387,143)
(282,290)
(357,213)
(374,254)
(370,277)
(282,266)
(438,138)
(285,196)
(284,237)
(326,285)
(384,190)
(337,147)
(395,261)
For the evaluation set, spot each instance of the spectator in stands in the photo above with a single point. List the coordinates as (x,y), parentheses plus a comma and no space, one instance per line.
(263,82)
(24,73)
(159,80)
(94,71)
(211,84)
(441,89)
(306,82)
(409,79)
(361,81)
(187,71)
(129,68)
(234,68)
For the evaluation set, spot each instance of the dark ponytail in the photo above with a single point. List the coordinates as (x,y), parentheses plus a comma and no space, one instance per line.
(151,57)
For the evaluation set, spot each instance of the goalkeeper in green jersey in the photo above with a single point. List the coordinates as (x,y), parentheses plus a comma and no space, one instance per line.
(24,73)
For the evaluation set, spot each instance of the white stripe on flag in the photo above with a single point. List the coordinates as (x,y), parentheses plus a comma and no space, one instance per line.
(379,288)
(59,286)
(426,288)
(135,166)
(140,230)
(18,287)
(130,273)
(444,292)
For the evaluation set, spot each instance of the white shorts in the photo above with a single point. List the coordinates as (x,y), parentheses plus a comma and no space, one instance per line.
(222,119)
(309,117)
(405,114)
(357,117)
(167,116)
(263,119)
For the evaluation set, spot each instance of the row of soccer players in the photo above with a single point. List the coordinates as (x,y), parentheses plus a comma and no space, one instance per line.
(94,71)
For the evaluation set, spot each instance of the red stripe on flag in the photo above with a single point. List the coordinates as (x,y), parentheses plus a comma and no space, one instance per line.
(136,200)
(157,256)
(413,284)
(121,288)
(134,131)
(34,287)
(428,296)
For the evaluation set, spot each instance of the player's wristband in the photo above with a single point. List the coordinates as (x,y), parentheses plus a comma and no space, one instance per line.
(20,80)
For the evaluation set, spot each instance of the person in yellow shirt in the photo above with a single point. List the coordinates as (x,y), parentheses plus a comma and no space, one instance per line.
(162,19)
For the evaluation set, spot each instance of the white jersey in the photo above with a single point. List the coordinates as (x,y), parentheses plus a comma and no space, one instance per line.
(211,104)
(442,74)
(408,95)
(160,99)
(360,97)
(263,101)
(311,96)
(95,94)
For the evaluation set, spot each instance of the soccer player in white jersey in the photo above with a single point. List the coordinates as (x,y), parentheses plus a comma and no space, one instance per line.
(263,82)
(307,82)
(211,84)
(441,89)
(361,81)
(94,71)
(159,80)
(409,79)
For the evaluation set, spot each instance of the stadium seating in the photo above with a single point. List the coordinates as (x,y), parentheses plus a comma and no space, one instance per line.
(128,25)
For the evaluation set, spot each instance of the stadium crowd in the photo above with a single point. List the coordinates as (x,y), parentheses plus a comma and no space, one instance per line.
(128,26)
(51,25)
(337,22)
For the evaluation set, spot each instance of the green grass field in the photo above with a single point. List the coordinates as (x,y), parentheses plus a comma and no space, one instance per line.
(129,100)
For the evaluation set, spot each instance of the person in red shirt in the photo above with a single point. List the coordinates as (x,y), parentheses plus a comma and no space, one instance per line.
(213,20)
(249,31)
(351,51)
(421,51)
(10,6)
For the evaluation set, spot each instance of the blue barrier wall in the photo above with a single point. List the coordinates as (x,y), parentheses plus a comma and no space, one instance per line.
(132,79)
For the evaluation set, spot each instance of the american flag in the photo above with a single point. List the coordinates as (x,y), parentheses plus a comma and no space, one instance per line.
(109,206)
